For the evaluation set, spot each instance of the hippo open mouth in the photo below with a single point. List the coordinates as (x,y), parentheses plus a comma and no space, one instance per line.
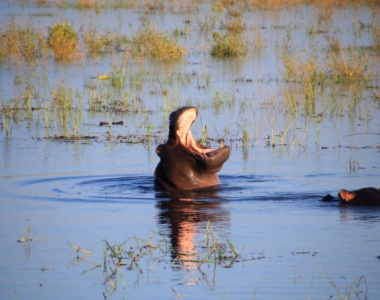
(186,164)
(183,132)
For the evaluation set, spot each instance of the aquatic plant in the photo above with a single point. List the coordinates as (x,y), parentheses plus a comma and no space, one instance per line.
(333,42)
(63,40)
(235,25)
(357,66)
(152,43)
(228,45)
(308,70)
(376,37)
(356,288)
(103,43)
(26,237)
(281,4)
(258,42)
(22,43)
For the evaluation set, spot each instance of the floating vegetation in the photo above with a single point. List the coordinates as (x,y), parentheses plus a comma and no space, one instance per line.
(25,238)
(63,40)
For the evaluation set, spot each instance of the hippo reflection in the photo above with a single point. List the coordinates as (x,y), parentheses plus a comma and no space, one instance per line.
(184,217)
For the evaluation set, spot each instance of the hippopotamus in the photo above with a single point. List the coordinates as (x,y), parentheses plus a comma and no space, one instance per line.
(368,196)
(185,164)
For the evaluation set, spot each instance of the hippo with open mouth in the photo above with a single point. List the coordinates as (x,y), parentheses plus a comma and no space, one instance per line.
(368,196)
(184,163)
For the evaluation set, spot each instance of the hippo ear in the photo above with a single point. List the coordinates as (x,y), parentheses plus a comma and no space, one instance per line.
(160,150)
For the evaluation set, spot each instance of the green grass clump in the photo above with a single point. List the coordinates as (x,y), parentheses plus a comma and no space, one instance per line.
(63,40)
(158,45)
(228,45)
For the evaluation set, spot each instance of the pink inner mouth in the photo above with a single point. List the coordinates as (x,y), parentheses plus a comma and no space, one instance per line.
(185,121)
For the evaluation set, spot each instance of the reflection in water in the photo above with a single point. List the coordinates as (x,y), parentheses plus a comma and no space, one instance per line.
(185,215)
(363,214)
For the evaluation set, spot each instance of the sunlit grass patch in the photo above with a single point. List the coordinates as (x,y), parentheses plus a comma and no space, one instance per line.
(356,66)
(23,43)
(333,42)
(376,37)
(63,40)
(228,45)
(62,96)
(103,43)
(281,4)
(308,70)
(258,42)
(156,44)
(273,4)
(338,66)
(235,25)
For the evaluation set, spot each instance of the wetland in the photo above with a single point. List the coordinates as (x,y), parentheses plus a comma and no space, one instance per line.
(86,90)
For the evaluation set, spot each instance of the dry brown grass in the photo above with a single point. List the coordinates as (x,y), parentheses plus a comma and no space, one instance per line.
(22,43)
(352,67)
(322,4)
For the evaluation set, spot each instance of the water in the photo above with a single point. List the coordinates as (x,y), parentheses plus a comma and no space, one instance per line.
(88,192)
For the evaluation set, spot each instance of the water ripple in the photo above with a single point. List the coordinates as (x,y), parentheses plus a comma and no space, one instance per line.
(129,188)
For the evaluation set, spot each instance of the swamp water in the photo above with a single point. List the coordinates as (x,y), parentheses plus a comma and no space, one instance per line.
(74,183)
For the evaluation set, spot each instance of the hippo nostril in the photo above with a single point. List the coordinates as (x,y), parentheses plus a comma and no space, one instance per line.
(160,150)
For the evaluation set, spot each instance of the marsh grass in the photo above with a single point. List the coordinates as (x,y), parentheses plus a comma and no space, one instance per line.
(109,42)
(63,40)
(155,44)
(228,45)
(376,37)
(234,25)
(334,43)
(338,67)
(358,289)
(356,66)
(22,43)
(26,237)
(353,165)
(325,4)
(259,43)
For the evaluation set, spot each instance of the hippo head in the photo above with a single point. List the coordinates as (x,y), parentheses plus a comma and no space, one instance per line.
(184,163)
(368,196)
